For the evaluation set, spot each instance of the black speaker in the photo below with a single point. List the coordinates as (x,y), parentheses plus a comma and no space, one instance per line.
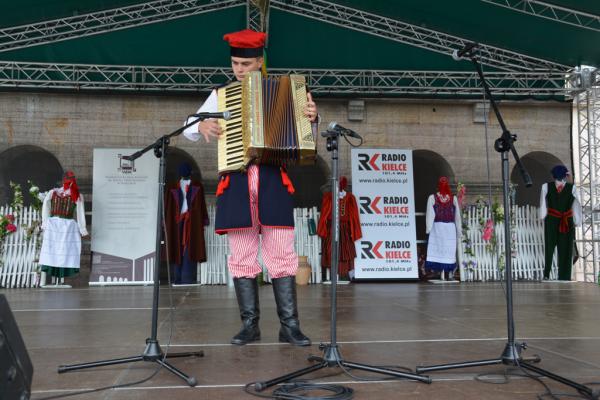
(16,370)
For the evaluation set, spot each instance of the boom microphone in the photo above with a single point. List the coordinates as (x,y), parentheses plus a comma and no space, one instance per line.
(335,127)
(218,115)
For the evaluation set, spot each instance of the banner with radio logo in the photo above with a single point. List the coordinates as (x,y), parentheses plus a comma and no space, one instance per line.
(382,181)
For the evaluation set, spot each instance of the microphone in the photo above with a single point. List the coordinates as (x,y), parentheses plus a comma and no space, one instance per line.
(335,127)
(218,115)
(457,55)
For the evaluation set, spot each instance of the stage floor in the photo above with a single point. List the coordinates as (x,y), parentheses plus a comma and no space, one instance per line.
(400,324)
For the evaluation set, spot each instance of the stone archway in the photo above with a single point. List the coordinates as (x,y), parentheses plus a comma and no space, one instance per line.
(177,156)
(26,162)
(538,164)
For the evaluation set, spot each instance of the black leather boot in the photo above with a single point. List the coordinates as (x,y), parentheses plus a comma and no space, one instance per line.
(287,309)
(246,291)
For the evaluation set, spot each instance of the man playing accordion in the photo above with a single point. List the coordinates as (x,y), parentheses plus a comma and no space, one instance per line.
(253,202)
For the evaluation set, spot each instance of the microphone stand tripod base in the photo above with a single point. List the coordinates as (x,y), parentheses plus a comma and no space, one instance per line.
(152,351)
(332,358)
(331,354)
(512,351)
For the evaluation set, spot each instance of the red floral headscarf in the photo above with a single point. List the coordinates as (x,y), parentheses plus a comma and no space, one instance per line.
(443,186)
(69,182)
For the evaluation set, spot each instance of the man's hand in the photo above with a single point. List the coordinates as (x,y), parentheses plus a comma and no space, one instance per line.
(209,128)
(311,108)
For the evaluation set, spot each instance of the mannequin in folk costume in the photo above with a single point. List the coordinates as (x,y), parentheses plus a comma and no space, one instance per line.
(255,209)
(63,224)
(560,209)
(349,229)
(185,219)
(444,229)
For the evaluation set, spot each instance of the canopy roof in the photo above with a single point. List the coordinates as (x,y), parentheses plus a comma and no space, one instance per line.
(356,38)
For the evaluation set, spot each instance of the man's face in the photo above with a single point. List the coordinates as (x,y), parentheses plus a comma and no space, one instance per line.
(241,66)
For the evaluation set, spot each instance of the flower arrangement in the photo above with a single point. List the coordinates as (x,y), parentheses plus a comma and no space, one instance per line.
(468,248)
(34,229)
(37,198)
(488,230)
(7,221)
(461,191)
(489,216)
(7,226)
(497,212)
(469,265)
(17,203)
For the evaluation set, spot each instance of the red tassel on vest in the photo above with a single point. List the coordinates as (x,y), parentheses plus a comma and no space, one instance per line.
(223,184)
(287,182)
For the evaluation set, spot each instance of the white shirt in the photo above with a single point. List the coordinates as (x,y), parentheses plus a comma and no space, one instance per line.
(576,207)
(210,105)
(183,185)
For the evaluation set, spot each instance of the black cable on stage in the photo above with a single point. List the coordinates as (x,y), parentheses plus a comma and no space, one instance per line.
(300,389)
(547,394)
(167,346)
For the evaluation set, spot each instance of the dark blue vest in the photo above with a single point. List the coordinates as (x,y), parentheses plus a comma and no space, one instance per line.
(275,204)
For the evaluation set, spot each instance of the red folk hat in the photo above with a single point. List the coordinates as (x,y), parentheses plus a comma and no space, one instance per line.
(246,43)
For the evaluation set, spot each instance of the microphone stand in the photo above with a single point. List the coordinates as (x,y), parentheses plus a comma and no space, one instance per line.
(153,351)
(511,355)
(331,354)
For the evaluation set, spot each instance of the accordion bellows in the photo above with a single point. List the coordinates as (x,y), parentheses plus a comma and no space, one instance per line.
(267,123)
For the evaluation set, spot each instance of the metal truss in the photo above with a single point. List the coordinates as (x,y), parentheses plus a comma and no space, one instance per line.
(257,15)
(337,82)
(23,36)
(388,28)
(12,38)
(587,107)
(253,16)
(552,12)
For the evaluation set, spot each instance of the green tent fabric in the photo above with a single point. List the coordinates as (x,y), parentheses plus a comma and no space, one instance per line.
(296,41)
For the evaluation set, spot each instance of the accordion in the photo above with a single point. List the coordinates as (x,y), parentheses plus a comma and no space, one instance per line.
(267,123)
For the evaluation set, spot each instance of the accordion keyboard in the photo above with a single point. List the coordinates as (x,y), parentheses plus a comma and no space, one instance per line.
(230,146)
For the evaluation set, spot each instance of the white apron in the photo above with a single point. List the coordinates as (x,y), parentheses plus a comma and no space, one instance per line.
(441,247)
(61,245)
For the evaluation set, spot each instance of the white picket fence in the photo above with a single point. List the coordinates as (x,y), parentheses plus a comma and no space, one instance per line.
(19,266)
(214,271)
(19,269)
(528,243)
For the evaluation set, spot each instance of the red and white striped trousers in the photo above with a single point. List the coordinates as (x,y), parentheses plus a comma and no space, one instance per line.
(277,244)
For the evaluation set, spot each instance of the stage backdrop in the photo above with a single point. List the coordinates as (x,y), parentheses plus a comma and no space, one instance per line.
(123,217)
(382,181)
